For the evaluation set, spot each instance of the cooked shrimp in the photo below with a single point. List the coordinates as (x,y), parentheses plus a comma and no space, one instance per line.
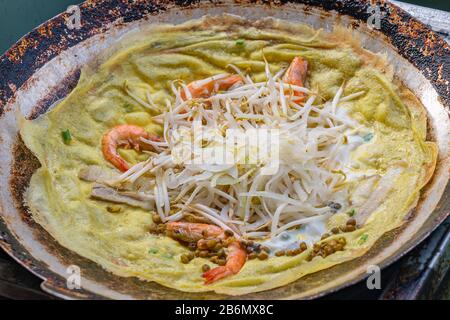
(296,75)
(192,232)
(205,90)
(196,232)
(235,261)
(126,136)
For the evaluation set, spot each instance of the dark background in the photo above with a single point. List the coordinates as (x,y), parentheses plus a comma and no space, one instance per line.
(18,17)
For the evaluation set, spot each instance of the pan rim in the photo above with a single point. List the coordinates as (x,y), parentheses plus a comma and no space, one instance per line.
(3,225)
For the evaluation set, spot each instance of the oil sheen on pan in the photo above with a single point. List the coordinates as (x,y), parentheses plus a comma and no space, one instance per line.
(122,182)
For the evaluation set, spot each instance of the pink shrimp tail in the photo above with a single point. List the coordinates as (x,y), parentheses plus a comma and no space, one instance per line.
(296,75)
(126,136)
(216,274)
(235,261)
(207,89)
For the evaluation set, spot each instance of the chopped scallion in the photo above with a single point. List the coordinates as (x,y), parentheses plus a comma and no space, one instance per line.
(67,136)
(363,238)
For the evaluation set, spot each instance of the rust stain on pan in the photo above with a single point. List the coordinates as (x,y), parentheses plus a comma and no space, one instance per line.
(424,48)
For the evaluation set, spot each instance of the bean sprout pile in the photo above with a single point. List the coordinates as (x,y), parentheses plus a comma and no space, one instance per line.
(248,197)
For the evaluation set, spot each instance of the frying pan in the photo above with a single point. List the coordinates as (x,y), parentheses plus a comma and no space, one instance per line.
(44,66)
